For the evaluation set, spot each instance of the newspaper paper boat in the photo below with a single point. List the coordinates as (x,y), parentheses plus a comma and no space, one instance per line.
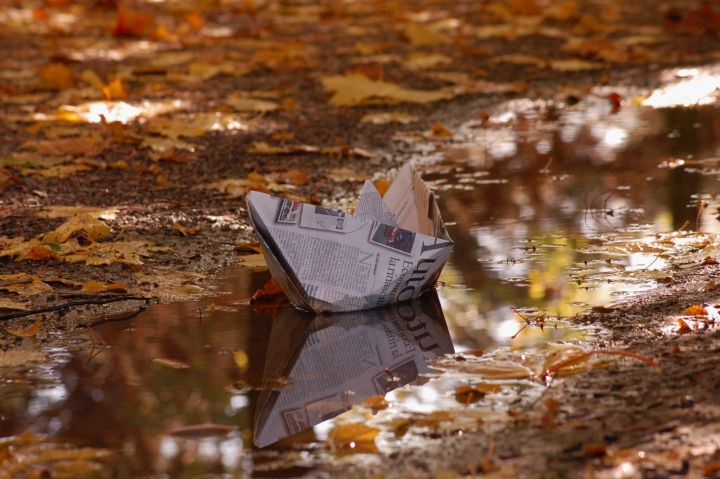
(392,249)
(336,362)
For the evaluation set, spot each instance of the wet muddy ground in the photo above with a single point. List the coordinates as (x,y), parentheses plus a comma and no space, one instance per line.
(584,219)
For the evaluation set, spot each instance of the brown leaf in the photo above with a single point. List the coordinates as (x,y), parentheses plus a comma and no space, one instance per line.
(7,179)
(27,332)
(56,76)
(186,231)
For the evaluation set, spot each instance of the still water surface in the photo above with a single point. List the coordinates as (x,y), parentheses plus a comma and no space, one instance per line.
(528,194)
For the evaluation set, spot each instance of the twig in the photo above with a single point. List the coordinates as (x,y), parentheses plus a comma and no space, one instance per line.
(77,303)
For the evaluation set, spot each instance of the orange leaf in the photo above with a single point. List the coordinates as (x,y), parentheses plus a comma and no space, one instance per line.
(93,286)
(438,129)
(347,435)
(40,253)
(695,311)
(26,332)
(382,186)
(195,19)
(6,178)
(116,90)
(373,72)
(56,76)
(131,23)
(376,403)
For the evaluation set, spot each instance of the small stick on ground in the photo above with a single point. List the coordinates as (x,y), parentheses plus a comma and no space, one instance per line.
(58,307)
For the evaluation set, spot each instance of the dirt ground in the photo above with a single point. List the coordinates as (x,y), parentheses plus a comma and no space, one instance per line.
(670,414)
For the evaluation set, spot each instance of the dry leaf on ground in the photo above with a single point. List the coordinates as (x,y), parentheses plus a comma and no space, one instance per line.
(356,89)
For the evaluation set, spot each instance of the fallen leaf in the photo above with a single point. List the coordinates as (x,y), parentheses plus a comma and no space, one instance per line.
(97,287)
(23,284)
(468,395)
(95,228)
(421,35)
(254,262)
(56,76)
(376,403)
(385,118)
(171,363)
(172,287)
(240,102)
(356,89)
(439,130)
(348,435)
(194,19)
(424,61)
(40,253)
(186,231)
(695,311)
(7,179)
(131,23)
(15,358)
(115,90)
(199,431)
(28,332)
(345,174)
(6,303)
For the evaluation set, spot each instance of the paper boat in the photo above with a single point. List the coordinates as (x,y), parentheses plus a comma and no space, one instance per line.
(392,249)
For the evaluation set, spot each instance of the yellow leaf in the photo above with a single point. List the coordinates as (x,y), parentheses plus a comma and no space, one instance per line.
(28,332)
(95,228)
(345,435)
(356,89)
(23,284)
(242,360)
(345,174)
(255,262)
(10,304)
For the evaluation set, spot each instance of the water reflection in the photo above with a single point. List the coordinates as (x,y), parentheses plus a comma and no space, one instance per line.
(343,359)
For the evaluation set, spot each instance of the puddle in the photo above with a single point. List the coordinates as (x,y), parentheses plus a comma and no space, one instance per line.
(545,202)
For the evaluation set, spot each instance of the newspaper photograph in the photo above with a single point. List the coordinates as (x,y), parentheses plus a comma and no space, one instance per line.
(392,249)
(341,360)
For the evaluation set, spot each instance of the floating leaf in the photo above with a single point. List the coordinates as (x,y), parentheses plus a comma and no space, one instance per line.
(241,360)
(174,286)
(254,262)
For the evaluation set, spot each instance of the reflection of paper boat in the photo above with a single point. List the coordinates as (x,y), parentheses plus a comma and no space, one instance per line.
(391,250)
(343,359)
